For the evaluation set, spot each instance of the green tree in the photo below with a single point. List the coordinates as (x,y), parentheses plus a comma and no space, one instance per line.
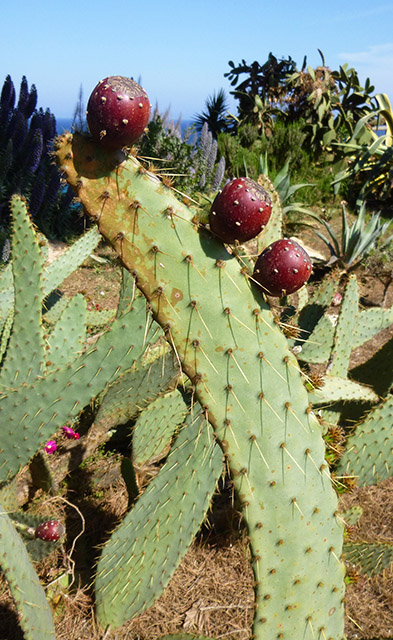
(265,83)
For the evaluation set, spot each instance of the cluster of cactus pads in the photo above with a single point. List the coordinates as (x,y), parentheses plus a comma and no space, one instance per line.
(246,403)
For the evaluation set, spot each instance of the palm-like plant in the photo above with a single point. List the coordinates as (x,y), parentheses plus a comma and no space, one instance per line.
(215,114)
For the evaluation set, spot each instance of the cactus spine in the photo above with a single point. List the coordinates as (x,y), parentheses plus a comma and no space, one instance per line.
(244,377)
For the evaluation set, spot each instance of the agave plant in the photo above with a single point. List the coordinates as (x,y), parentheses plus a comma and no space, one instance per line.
(356,241)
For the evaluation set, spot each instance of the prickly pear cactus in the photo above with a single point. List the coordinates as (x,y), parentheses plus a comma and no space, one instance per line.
(48,379)
(245,378)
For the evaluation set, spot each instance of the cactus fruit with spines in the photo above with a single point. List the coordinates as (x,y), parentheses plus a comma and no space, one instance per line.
(117,112)
(282,268)
(247,381)
(240,211)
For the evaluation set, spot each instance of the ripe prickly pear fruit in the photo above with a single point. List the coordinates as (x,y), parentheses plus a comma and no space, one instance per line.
(282,268)
(240,211)
(50,530)
(117,112)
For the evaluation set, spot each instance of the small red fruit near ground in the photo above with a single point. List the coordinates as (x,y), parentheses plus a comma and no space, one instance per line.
(282,268)
(240,211)
(117,112)
(50,530)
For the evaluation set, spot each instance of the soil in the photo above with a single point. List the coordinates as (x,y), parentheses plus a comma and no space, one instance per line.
(211,592)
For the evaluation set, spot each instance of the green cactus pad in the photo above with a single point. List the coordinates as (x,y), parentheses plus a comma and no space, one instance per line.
(336,389)
(58,270)
(377,371)
(314,310)
(143,553)
(154,428)
(244,376)
(133,390)
(25,359)
(369,450)
(370,557)
(36,618)
(352,515)
(319,343)
(67,339)
(32,413)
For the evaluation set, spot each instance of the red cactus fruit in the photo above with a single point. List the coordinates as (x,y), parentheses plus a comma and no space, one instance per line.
(240,211)
(117,112)
(50,530)
(282,268)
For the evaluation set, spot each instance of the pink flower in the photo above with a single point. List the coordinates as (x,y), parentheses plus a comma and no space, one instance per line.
(70,433)
(50,446)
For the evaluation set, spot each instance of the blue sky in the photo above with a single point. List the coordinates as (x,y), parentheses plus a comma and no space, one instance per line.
(180,50)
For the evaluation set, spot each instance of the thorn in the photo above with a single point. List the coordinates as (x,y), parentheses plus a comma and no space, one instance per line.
(261,396)
(283,447)
(193,305)
(190,261)
(254,440)
(228,312)
(291,411)
(229,388)
(230,353)
(262,356)
(295,504)
(197,345)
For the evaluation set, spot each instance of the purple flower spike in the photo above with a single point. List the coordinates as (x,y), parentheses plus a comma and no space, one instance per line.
(50,446)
